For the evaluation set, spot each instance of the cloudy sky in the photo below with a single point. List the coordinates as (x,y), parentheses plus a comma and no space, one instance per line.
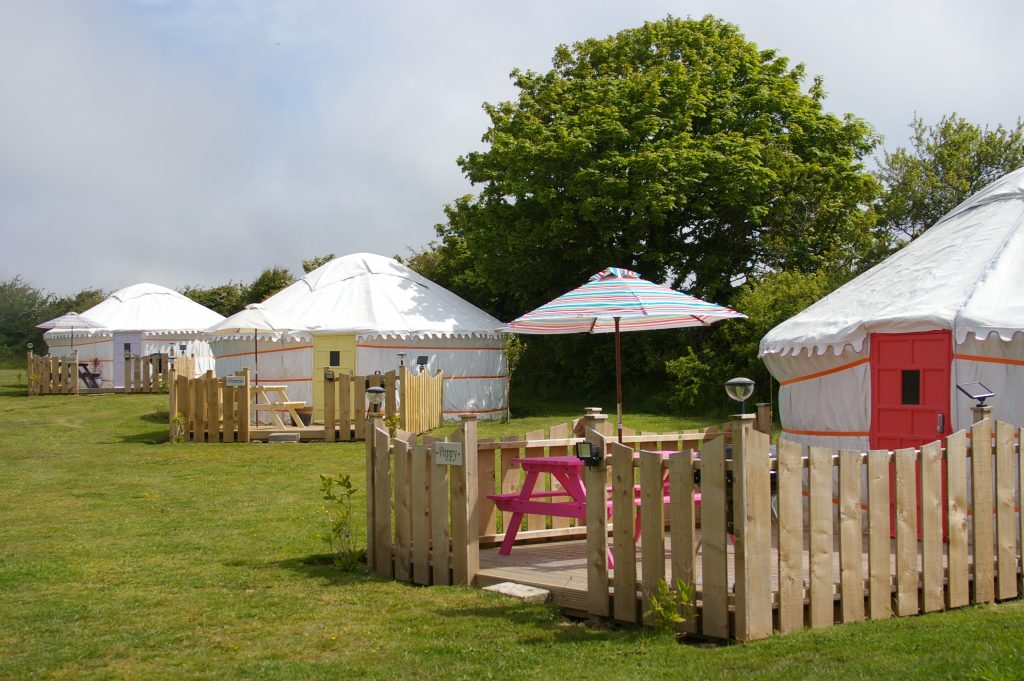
(198,142)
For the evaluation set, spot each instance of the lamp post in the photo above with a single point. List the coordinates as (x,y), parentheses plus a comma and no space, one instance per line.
(739,389)
(978,392)
(376,397)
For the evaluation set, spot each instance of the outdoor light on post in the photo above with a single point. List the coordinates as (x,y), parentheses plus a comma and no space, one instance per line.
(739,389)
(422,361)
(376,397)
(976,391)
(401,359)
(127,354)
(29,347)
(328,374)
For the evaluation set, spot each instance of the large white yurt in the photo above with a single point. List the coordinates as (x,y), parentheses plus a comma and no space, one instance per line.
(876,363)
(143,319)
(357,313)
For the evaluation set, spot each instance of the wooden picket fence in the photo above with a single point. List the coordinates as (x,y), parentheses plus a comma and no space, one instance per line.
(808,538)
(418,409)
(210,409)
(415,504)
(52,375)
(48,375)
(149,374)
(421,403)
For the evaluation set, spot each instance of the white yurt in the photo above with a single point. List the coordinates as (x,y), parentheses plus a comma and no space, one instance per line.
(357,313)
(876,363)
(143,319)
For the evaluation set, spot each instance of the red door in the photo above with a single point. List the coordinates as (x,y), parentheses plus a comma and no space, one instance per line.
(909,388)
(910,399)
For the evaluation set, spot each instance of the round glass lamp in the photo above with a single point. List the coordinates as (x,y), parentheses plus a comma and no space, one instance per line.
(376,397)
(739,389)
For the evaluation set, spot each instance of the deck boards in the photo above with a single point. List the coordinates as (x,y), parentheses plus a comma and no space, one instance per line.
(560,567)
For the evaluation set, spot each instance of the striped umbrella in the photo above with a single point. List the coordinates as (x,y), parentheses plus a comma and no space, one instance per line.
(70,320)
(616,300)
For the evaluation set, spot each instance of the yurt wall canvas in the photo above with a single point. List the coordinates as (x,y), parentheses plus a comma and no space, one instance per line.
(152,319)
(877,362)
(474,369)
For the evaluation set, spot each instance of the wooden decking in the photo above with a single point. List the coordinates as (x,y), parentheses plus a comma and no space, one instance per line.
(310,433)
(560,567)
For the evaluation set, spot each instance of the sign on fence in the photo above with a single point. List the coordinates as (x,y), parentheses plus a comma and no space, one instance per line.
(234,381)
(448,454)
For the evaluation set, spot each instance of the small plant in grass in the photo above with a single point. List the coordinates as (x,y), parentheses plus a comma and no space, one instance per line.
(178,427)
(671,607)
(391,422)
(337,492)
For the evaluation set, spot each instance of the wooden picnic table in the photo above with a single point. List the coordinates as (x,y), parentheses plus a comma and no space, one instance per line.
(275,401)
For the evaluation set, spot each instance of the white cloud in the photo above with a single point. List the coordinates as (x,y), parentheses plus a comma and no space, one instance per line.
(198,142)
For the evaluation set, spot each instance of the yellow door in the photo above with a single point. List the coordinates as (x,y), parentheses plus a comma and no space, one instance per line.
(337,352)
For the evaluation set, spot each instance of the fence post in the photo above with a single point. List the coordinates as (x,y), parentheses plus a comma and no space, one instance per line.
(403,400)
(983,508)
(28,371)
(212,407)
(763,421)
(751,520)
(596,480)
(465,512)
(378,502)
(172,401)
(330,410)
(244,397)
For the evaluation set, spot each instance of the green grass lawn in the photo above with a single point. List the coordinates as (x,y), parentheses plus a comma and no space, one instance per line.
(125,557)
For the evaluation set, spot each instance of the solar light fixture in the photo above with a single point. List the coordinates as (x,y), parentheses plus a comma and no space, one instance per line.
(976,391)
(739,389)
(328,374)
(589,453)
(376,397)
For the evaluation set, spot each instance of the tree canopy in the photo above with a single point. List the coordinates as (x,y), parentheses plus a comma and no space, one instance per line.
(678,149)
(22,306)
(947,162)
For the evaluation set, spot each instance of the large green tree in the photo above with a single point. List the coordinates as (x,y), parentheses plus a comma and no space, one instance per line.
(679,149)
(945,163)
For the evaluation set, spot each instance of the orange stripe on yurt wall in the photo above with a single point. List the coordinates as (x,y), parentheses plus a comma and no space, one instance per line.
(827,433)
(992,360)
(826,372)
(264,352)
(464,378)
(77,344)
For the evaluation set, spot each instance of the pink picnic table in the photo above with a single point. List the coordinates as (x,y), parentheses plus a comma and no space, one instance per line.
(568,502)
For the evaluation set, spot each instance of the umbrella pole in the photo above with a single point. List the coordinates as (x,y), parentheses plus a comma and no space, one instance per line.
(618,377)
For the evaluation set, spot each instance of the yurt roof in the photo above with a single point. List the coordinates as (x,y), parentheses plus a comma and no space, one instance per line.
(370,294)
(963,274)
(152,308)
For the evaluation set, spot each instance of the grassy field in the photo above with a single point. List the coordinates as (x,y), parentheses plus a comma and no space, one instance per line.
(122,556)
